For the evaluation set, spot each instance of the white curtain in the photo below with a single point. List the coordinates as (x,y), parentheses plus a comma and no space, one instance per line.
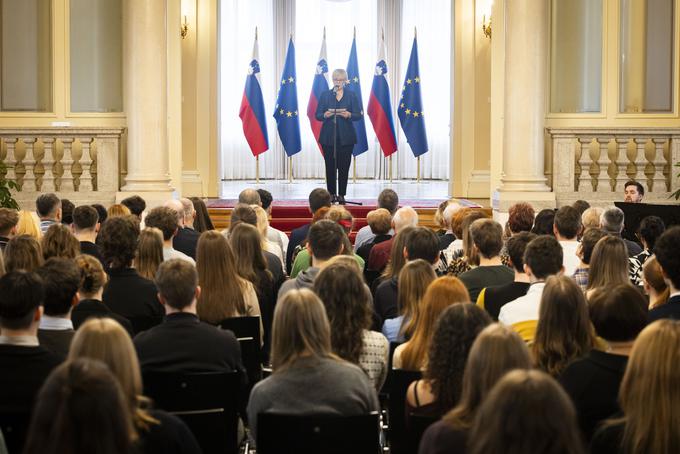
(277,19)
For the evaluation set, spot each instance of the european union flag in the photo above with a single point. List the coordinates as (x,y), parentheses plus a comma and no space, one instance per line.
(354,85)
(286,112)
(411,106)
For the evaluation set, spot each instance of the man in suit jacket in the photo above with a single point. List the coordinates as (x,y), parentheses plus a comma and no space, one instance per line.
(62,278)
(667,251)
(24,363)
(186,239)
(318,198)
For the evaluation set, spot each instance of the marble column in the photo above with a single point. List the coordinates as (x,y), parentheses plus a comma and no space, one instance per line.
(526,52)
(145,93)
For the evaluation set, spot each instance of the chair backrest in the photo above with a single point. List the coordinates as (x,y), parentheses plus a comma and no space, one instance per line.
(247,331)
(206,402)
(14,427)
(313,434)
(145,322)
(418,424)
(399,381)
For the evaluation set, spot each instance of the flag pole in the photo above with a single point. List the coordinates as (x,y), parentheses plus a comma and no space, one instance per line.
(290,169)
(257,169)
(390,168)
(354,170)
(418,169)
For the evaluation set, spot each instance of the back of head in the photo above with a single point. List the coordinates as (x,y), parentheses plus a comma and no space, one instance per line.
(135,204)
(249,197)
(588,242)
(58,241)
(23,252)
(340,215)
(177,280)
(543,224)
(591,218)
(609,263)
(414,279)
(548,423)
(521,217)
(568,222)
(117,241)
(262,221)
(325,239)
(28,224)
(165,219)
(118,210)
(81,409)
(9,218)
(21,293)
(422,243)
(397,259)
(61,278)
(379,220)
(101,211)
(47,205)
(405,217)
(202,221)
(487,236)
(246,244)
(67,208)
(544,256)
(266,198)
(516,246)
(667,251)
(652,276)
(85,218)
(581,206)
(564,332)
(468,250)
(618,312)
(188,210)
(651,228)
(318,198)
(300,327)
(149,252)
(611,220)
(449,212)
(92,275)
(243,213)
(389,200)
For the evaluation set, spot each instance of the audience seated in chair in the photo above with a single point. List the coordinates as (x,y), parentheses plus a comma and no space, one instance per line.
(387,200)
(380,254)
(307,378)
(379,224)
(48,208)
(567,228)
(317,198)
(61,278)
(9,218)
(202,221)
(149,252)
(186,239)
(274,235)
(167,220)
(590,218)
(608,264)
(612,222)
(58,241)
(136,205)
(23,252)
(466,258)
(650,230)
(85,227)
(496,351)
(654,284)
(448,237)
(667,251)
(585,253)
(544,222)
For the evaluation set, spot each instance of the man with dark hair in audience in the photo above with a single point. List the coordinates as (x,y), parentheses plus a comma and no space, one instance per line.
(85,227)
(101,211)
(274,235)
(380,254)
(618,315)
(9,218)
(487,236)
(61,278)
(67,208)
(567,227)
(48,207)
(633,192)
(24,363)
(380,223)
(612,222)
(182,343)
(542,258)
(127,293)
(135,204)
(493,298)
(325,241)
(667,251)
(581,206)
(585,252)
(421,243)
(167,221)
(650,229)
(389,200)
(249,197)
(186,239)
(318,198)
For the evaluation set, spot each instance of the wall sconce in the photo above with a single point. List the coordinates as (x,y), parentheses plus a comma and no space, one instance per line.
(484,9)
(184,29)
(486,27)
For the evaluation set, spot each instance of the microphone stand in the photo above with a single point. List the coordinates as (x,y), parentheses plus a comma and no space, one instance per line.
(335,142)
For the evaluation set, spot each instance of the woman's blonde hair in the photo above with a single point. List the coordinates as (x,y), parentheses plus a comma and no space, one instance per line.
(58,241)
(117,210)
(300,328)
(609,263)
(222,287)
(652,275)
(341,72)
(23,252)
(149,252)
(440,294)
(28,225)
(649,393)
(497,350)
(341,216)
(413,281)
(262,221)
(105,340)
(92,275)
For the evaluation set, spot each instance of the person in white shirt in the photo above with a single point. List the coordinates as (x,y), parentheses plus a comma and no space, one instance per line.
(542,258)
(273,235)
(387,199)
(167,221)
(567,228)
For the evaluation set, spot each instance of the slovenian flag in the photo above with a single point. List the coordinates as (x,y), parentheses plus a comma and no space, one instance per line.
(286,112)
(380,106)
(354,85)
(411,106)
(252,111)
(319,85)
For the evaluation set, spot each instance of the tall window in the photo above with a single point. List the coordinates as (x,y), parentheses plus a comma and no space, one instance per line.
(26,62)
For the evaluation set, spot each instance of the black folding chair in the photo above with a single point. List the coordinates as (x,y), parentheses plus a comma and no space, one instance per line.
(14,426)
(145,322)
(313,434)
(418,424)
(206,402)
(247,331)
(399,381)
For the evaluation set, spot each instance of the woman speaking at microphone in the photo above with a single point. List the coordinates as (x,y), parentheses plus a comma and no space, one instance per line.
(337,109)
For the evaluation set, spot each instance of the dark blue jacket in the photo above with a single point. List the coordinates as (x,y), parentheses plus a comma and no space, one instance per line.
(346,133)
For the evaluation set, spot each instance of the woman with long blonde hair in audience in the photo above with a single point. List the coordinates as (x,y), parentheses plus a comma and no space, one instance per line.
(608,264)
(654,284)
(105,340)
(649,396)
(564,332)
(23,252)
(413,281)
(28,224)
(262,226)
(149,252)
(496,351)
(440,294)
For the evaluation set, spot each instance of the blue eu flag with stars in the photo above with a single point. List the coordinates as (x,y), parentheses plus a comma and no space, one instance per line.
(286,112)
(411,106)
(354,85)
